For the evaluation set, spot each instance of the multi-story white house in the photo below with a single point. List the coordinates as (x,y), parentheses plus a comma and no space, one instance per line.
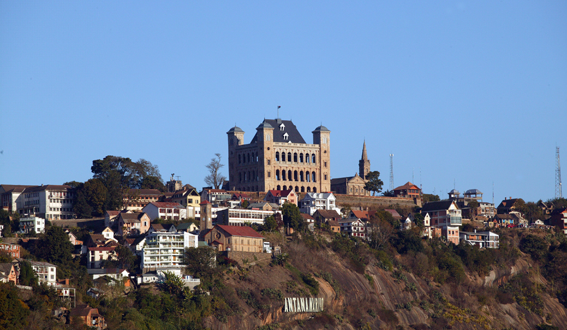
(97,255)
(318,201)
(165,210)
(353,227)
(51,202)
(445,215)
(45,272)
(165,250)
(32,224)
(482,239)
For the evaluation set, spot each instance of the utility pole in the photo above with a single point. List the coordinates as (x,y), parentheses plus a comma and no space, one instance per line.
(391,172)
(558,187)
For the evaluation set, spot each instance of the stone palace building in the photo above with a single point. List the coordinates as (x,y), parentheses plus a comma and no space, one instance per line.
(278,158)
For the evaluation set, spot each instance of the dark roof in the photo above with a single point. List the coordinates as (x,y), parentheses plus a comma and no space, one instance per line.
(394,213)
(82,310)
(184,226)
(131,217)
(321,129)
(47,187)
(264,124)
(14,187)
(280,193)
(166,204)
(306,216)
(290,129)
(328,214)
(235,129)
(240,231)
(473,191)
(435,206)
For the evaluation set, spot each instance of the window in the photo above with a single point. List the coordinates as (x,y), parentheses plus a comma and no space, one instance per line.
(295,157)
(313,159)
(325,176)
(282,127)
(289,156)
(325,164)
(277,156)
(269,163)
(269,174)
(285,136)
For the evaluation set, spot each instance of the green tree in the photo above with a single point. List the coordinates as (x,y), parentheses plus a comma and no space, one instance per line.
(473,205)
(54,246)
(73,184)
(6,222)
(27,274)
(126,258)
(152,182)
(374,183)
(430,198)
(215,179)
(292,216)
(13,311)
(388,193)
(270,224)
(201,261)
(91,198)
(534,246)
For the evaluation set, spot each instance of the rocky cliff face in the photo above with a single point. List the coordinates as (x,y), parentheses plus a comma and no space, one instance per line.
(378,298)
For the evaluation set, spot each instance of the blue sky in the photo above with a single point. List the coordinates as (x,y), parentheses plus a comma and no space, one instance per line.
(465,94)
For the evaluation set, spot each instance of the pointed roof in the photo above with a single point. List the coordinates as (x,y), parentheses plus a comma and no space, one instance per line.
(288,127)
(240,231)
(364,156)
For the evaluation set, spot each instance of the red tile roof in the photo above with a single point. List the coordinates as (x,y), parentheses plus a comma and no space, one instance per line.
(240,231)
(408,185)
(280,193)
(205,202)
(166,204)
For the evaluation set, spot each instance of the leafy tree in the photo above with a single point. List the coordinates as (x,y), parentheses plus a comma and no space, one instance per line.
(292,216)
(381,231)
(388,193)
(54,246)
(6,222)
(27,274)
(201,261)
(419,219)
(270,224)
(245,204)
(152,182)
(430,198)
(91,198)
(374,183)
(125,257)
(13,312)
(534,246)
(73,184)
(215,178)
(473,205)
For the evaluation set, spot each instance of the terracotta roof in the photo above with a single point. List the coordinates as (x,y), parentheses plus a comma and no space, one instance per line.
(280,193)
(113,213)
(131,217)
(333,223)
(240,231)
(102,248)
(83,310)
(408,185)
(168,205)
(306,216)
(14,187)
(205,202)
(364,214)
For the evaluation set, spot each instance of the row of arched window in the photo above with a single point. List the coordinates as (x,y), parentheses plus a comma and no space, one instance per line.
(297,158)
(296,176)
(248,158)
(297,189)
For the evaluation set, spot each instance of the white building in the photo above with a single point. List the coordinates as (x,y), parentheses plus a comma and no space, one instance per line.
(318,201)
(165,210)
(166,250)
(353,227)
(30,224)
(51,202)
(45,272)
(445,215)
(240,217)
(482,239)
(113,273)
(99,254)
(108,233)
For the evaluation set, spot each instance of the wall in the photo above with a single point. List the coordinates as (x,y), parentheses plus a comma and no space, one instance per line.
(240,256)
(363,202)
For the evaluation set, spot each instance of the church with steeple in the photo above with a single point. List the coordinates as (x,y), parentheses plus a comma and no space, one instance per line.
(354,185)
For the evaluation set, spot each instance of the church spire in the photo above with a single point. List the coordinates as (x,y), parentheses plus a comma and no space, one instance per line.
(364,156)
(363,163)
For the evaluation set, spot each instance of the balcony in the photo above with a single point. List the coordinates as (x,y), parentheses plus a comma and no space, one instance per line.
(456,220)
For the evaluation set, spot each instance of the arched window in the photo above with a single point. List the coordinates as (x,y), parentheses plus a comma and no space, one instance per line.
(302,189)
(279,187)
(314,189)
(295,176)
(284,188)
(278,175)
(314,161)
(308,189)
(289,177)
(239,159)
(289,156)
(295,157)
(313,177)
(277,156)
(283,176)
(239,177)
(296,189)
(301,158)
(307,177)
(307,158)
(248,158)
(301,176)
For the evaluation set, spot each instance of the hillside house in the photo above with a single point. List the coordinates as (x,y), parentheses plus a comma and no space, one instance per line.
(133,224)
(445,215)
(559,219)
(281,196)
(8,273)
(235,238)
(46,272)
(166,249)
(353,227)
(482,239)
(165,211)
(97,255)
(189,198)
(88,316)
(318,201)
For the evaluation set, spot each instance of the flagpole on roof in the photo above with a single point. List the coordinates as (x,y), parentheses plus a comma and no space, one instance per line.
(279,106)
